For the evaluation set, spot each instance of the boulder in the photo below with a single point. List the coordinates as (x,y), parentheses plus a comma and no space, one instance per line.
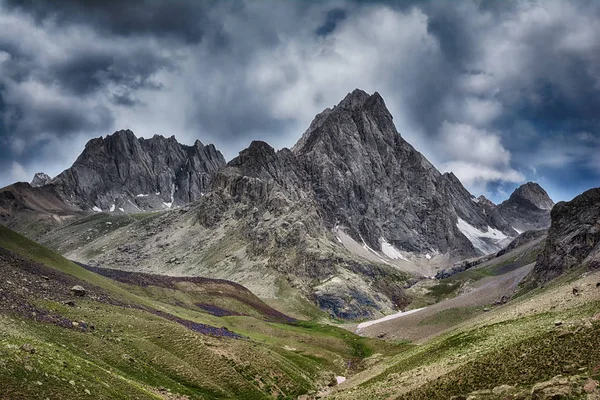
(78,290)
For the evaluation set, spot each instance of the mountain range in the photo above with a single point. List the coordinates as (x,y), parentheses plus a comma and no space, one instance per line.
(343,220)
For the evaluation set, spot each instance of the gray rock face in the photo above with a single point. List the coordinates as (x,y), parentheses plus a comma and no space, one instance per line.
(264,197)
(573,238)
(527,208)
(122,172)
(40,179)
(366,177)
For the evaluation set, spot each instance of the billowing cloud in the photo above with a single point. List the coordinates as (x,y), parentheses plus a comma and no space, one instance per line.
(497,92)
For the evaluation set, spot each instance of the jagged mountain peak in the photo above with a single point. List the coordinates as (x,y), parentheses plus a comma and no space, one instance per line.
(350,121)
(533,194)
(121,172)
(354,99)
(40,179)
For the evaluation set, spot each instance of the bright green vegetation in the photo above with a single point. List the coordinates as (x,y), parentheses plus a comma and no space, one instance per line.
(135,351)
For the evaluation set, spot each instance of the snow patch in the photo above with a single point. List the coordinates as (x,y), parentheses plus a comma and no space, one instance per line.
(96,209)
(366,247)
(390,251)
(112,208)
(474,199)
(121,209)
(142,195)
(386,318)
(169,204)
(428,256)
(340,379)
(476,237)
(518,231)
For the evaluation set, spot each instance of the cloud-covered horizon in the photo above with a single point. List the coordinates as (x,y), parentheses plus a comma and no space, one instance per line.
(497,92)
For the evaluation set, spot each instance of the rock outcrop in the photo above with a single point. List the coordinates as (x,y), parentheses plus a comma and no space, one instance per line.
(573,238)
(120,172)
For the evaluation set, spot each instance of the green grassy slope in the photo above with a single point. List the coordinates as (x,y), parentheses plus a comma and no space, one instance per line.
(123,340)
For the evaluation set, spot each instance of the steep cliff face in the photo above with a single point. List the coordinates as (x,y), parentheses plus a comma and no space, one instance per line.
(372,182)
(527,208)
(573,238)
(123,173)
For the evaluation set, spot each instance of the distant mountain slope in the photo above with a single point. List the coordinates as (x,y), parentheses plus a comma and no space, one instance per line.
(34,211)
(527,208)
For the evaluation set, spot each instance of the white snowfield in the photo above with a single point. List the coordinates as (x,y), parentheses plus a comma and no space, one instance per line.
(386,318)
(390,251)
(476,236)
(96,209)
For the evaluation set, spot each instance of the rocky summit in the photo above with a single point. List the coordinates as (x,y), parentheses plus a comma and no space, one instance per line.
(527,208)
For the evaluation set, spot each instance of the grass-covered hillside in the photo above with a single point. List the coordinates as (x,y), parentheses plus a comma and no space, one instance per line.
(144,337)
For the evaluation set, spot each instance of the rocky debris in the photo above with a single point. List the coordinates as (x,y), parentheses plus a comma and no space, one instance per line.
(78,290)
(28,348)
(462,266)
(120,171)
(559,387)
(558,323)
(591,386)
(503,390)
(572,239)
(527,208)
(502,301)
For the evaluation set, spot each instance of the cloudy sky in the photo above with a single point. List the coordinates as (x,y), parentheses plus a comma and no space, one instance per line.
(497,92)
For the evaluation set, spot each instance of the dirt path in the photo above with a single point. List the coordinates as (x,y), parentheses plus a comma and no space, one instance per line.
(408,326)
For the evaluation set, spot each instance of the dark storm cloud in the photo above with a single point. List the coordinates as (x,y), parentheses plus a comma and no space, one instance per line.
(91,70)
(518,80)
(332,18)
(185,20)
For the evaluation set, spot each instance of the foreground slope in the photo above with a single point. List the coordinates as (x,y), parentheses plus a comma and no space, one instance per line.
(144,337)
(543,345)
